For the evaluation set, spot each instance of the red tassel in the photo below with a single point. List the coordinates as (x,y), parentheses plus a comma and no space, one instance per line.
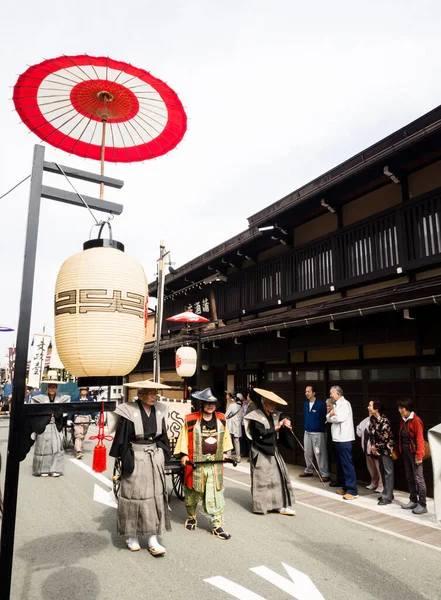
(99,463)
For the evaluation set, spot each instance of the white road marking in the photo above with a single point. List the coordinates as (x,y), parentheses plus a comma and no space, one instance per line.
(234,589)
(368,525)
(107,498)
(99,476)
(300,586)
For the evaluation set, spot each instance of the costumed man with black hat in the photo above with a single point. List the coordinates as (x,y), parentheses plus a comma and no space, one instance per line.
(266,428)
(49,453)
(205,439)
(142,446)
(81,422)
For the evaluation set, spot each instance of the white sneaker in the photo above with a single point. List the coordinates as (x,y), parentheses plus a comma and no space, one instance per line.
(287,511)
(372,486)
(154,546)
(133,544)
(379,490)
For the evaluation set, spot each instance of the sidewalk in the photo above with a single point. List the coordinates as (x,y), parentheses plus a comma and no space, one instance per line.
(390,519)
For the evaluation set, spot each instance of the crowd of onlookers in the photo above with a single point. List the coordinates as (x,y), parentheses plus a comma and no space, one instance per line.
(329,428)
(329,436)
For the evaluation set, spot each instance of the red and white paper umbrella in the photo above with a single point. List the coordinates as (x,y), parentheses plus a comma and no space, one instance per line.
(100,108)
(188,317)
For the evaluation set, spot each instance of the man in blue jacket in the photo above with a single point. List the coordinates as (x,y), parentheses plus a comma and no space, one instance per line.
(314,441)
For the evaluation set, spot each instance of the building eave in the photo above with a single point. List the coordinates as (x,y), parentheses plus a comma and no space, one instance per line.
(409,295)
(380,151)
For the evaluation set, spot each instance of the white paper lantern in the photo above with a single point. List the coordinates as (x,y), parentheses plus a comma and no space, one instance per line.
(186,360)
(100,311)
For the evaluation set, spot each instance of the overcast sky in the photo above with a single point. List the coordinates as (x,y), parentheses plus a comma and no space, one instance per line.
(276,93)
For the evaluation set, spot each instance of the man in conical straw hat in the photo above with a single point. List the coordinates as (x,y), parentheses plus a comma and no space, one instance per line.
(142,446)
(49,454)
(266,428)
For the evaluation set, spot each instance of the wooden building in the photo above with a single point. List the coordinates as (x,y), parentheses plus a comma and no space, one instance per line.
(337,283)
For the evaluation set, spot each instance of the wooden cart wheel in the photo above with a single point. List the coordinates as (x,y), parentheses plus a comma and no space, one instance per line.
(68,437)
(116,478)
(178,484)
(72,435)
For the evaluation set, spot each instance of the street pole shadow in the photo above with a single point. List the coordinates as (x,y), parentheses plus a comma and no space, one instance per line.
(60,552)
(107,521)
(71,583)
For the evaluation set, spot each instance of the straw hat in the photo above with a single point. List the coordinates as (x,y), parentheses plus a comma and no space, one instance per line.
(147,385)
(51,381)
(271,396)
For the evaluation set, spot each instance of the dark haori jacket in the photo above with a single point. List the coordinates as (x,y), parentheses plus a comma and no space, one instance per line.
(381,436)
(260,428)
(132,420)
(37,424)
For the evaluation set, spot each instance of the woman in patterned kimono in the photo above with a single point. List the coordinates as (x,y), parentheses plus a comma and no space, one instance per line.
(382,444)
(266,428)
(142,446)
(49,454)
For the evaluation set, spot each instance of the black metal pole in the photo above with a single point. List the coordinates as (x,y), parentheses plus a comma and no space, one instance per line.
(198,361)
(159,314)
(19,383)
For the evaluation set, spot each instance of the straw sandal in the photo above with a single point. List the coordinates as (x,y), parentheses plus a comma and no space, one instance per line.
(191,524)
(133,544)
(220,533)
(154,547)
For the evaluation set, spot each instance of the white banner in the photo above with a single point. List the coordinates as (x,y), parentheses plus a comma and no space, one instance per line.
(38,360)
(55,359)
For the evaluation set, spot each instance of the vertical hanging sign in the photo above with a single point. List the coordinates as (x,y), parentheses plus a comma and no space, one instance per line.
(40,346)
(11,363)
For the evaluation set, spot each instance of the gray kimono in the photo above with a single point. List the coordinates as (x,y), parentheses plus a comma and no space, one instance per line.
(49,452)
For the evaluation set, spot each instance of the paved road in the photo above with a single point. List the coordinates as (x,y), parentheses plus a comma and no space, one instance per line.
(67,548)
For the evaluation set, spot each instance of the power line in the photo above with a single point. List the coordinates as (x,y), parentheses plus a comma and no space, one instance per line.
(78,194)
(15,186)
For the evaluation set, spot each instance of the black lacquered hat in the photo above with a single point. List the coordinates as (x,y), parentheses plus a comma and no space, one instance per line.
(205,396)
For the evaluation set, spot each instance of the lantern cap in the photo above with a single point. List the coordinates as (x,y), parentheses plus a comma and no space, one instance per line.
(100,243)
(147,384)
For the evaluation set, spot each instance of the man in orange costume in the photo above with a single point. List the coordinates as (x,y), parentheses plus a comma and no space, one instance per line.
(204,439)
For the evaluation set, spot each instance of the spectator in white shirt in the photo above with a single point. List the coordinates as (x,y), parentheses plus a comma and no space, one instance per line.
(343,434)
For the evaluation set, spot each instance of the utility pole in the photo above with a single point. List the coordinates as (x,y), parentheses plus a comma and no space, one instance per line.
(19,409)
(159,312)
